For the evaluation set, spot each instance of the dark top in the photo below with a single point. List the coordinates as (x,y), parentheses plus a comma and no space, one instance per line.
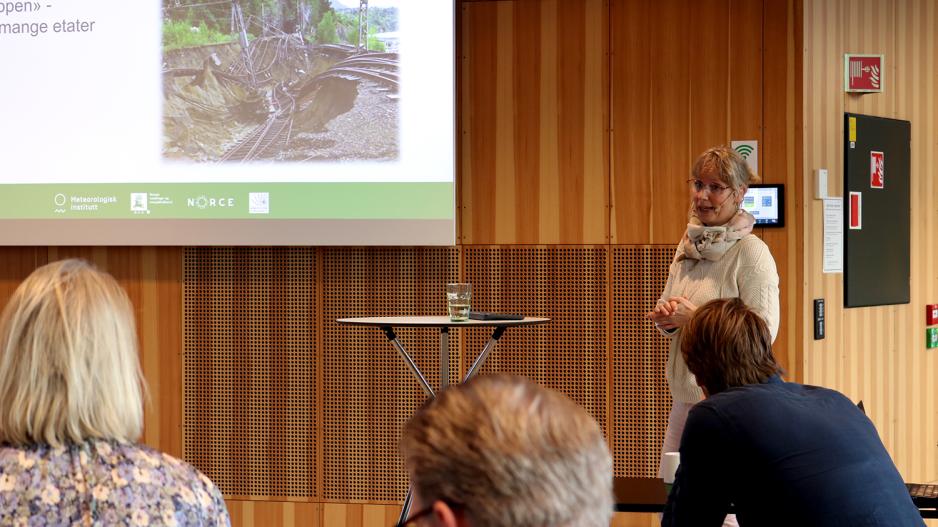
(785,454)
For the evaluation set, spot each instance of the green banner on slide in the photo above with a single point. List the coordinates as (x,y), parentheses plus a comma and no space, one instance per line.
(228,201)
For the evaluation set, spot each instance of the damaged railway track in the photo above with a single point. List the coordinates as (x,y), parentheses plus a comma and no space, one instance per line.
(223,113)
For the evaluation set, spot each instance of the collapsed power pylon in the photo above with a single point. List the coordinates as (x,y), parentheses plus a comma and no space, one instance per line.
(363,25)
(238,17)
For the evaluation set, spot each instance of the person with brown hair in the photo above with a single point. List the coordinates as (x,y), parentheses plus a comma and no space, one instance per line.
(781,453)
(501,451)
(71,409)
(718,257)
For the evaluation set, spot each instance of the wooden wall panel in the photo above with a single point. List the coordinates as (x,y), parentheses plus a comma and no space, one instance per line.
(566,284)
(670,122)
(632,157)
(781,142)
(367,391)
(479,46)
(876,354)
(712,82)
(534,117)
(526,65)
(290,514)
(152,277)
(15,264)
(679,86)
(548,199)
(251,382)
(745,56)
(279,514)
(640,397)
(571,89)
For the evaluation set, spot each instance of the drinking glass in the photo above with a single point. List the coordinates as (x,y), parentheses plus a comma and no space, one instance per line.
(458,300)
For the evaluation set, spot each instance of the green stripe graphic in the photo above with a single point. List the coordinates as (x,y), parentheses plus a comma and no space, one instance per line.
(228,201)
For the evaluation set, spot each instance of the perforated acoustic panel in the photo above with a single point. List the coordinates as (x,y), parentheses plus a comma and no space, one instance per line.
(641,400)
(250,369)
(271,382)
(567,285)
(368,392)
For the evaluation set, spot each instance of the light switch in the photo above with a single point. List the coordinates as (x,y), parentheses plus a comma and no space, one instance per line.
(820,183)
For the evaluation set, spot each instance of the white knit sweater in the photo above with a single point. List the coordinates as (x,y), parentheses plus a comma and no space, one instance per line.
(747,270)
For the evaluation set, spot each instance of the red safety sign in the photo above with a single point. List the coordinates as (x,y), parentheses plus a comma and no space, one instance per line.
(856,210)
(877,169)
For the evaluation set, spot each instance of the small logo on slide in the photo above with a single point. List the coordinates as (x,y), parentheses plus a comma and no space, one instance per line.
(138,202)
(204,202)
(59,200)
(258,203)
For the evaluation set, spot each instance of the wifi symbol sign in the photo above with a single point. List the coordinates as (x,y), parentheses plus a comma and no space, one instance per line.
(749,151)
(744,150)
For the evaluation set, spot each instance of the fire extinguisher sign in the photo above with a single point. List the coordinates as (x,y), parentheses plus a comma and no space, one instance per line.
(863,73)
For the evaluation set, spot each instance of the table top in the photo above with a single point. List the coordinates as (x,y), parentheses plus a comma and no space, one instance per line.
(436,321)
(650,495)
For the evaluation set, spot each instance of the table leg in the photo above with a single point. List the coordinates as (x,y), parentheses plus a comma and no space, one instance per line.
(444,357)
(480,360)
(444,378)
(389,333)
(408,501)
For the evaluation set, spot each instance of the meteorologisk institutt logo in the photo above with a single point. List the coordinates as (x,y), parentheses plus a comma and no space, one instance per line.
(59,200)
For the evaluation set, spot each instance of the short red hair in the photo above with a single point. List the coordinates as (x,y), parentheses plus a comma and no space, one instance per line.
(726,344)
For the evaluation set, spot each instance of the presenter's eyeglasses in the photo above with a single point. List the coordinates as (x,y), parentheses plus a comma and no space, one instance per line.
(697,185)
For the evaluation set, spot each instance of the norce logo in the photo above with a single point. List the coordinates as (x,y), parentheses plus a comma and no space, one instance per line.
(205,202)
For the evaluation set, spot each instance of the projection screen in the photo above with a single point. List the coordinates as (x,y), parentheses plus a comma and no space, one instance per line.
(227,122)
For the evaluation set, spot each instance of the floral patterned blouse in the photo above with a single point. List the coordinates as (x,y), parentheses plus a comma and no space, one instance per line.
(99,483)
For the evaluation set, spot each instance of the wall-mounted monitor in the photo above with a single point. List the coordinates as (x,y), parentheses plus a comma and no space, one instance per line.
(180,122)
(766,202)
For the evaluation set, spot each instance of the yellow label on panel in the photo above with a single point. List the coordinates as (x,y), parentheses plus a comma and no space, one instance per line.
(853,129)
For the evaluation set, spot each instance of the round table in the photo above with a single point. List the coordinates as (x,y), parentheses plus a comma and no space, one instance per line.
(387,325)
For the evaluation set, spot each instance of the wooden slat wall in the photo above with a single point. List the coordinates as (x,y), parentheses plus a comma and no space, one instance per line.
(534,119)
(680,85)
(288,514)
(876,354)
(152,277)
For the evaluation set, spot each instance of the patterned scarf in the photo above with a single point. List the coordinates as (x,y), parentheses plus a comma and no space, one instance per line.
(711,243)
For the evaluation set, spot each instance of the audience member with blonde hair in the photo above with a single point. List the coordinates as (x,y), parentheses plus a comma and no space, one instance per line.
(782,453)
(501,451)
(71,409)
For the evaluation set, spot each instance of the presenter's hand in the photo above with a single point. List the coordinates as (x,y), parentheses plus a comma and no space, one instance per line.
(662,310)
(683,310)
(661,315)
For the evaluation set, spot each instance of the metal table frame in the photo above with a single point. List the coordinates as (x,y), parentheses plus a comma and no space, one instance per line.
(387,324)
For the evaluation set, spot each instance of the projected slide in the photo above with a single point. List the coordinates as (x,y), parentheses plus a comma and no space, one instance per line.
(227,122)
